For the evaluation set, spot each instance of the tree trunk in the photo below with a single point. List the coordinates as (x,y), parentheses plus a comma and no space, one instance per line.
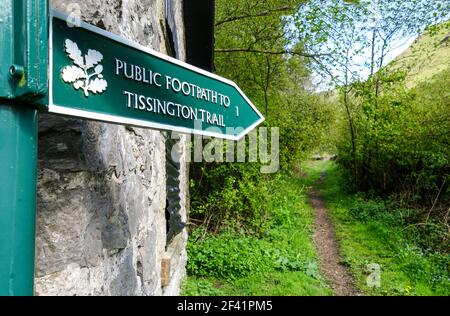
(352,135)
(266,101)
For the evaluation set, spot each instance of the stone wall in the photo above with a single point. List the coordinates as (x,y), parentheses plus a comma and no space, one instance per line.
(101,227)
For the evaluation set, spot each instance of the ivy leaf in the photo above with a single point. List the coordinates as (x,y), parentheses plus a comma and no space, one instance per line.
(97,85)
(72,73)
(311,270)
(93,57)
(74,52)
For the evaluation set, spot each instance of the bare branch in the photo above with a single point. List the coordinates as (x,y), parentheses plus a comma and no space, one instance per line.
(268,52)
(247,16)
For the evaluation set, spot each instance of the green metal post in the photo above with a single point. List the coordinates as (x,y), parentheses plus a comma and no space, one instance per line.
(18,163)
(23,88)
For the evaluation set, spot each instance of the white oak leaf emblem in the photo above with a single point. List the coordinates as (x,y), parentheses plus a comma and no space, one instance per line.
(93,57)
(86,73)
(97,85)
(72,73)
(74,52)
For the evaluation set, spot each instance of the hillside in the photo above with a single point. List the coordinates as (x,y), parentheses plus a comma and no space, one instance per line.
(428,55)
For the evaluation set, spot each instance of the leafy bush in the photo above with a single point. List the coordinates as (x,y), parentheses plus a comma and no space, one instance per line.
(429,236)
(229,195)
(367,210)
(226,256)
(402,141)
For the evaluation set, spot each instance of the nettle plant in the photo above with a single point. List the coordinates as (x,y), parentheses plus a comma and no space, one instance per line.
(86,73)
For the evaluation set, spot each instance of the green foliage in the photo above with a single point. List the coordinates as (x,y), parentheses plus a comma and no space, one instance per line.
(201,287)
(430,236)
(420,265)
(229,195)
(402,141)
(230,256)
(275,283)
(304,122)
(366,210)
(227,256)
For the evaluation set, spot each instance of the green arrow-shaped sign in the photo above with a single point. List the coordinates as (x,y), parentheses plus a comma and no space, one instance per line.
(97,75)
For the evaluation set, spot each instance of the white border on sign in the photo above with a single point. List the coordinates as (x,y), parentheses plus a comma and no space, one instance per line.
(54,108)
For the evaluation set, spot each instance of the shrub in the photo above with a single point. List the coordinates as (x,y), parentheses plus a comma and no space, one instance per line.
(226,256)
(367,210)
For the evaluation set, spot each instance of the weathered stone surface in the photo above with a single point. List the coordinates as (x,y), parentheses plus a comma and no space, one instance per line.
(101,226)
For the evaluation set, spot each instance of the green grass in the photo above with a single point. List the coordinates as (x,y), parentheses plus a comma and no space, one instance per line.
(280,262)
(405,268)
